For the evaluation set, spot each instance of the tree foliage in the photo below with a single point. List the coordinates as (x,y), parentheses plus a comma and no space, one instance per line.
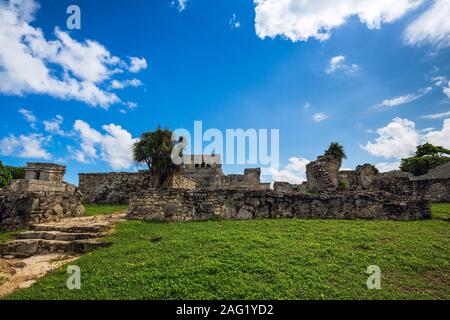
(155,149)
(427,157)
(5,176)
(16,172)
(336,150)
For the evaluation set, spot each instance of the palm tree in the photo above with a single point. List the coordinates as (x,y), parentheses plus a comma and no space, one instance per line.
(337,151)
(155,149)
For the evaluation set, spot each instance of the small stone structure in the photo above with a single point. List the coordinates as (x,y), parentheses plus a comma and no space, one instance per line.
(42,196)
(44,172)
(187,205)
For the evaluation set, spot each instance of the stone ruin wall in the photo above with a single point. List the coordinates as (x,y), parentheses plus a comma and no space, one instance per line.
(434,186)
(114,187)
(436,190)
(119,188)
(41,197)
(188,205)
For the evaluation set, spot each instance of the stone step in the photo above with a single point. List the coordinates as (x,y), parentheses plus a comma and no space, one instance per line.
(25,248)
(58,235)
(100,228)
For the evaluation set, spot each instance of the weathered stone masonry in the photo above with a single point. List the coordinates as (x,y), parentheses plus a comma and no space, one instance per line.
(433,186)
(113,188)
(41,197)
(186,205)
(203,172)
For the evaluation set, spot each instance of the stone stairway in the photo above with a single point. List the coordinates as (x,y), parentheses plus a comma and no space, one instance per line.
(73,236)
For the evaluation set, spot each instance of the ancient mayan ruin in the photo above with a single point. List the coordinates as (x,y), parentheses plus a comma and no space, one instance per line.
(205,192)
(201,191)
(41,197)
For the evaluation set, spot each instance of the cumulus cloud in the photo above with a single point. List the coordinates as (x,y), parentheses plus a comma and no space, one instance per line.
(319,117)
(54,126)
(294,172)
(29,117)
(299,20)
(137,64)
(397,101)
(388,166)
(25,146)
(62,68)
(338,64)
(440,138)
(432,27)
(397,140)
(400,138)
(114,146)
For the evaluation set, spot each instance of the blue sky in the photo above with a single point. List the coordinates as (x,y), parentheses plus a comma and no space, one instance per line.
(373,77)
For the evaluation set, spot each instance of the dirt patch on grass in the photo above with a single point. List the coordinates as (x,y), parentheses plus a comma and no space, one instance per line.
(22,273)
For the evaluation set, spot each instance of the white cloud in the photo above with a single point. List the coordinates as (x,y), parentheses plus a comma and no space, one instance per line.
(397,140)
(234,22)
(319,117)
(437,115)
(400,138)
(447,90)
(443,83)
(115,146)
(299,20)
(62,68)
(440,138)
(137,64)
(77,155)
(432,27)
(397,101)
(131,105)
(29,117)
(25,146)
(294,172)
(387,167)
(118,85)
(54,126)
(307,106)
(181,5)
(338,64)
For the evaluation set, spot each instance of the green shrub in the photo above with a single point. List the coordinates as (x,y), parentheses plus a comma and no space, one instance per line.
(5,176)
(343,184)
(16,172)
(427,157)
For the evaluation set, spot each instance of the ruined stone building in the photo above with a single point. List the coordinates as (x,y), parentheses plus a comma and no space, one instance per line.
(41,197)
(197,172)
(200,191)
(328,193)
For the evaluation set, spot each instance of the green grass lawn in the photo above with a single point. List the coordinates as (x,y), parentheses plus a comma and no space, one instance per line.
(263,259)
(441,211)
(99,209)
